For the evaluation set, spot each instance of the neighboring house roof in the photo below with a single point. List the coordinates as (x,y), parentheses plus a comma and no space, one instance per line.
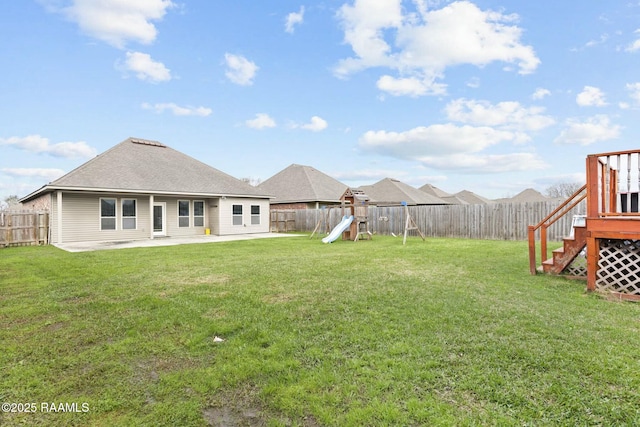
(471,198)
(390,191)
(454,200)
(434,191)
(144,166)
(528,195)
(302,184)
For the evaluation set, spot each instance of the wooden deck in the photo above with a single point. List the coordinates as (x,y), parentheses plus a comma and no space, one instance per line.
(611,234)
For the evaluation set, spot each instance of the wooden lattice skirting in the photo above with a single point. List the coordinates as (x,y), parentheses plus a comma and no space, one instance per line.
(619,266)
(578,267)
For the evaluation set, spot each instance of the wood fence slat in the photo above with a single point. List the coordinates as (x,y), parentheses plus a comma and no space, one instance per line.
(19,228)
(496,221)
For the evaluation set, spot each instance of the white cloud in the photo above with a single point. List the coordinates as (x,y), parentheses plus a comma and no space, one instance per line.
(452,147)
(505,115)
(490,163)
(294,19)
(240,70)
(594,129)
(261,121)
(374,28)
(178,110)
(316,125)
(368,174)
(146,68)
(591,97)
(410,86)
(116,22)
(603,38)
(434,140)
(540,93)
(473,83)
(40,145)
(49,174)
(635,45)
(634,91)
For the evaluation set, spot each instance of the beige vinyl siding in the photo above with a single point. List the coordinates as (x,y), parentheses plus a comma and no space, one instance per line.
(81,218)
(213,208)
(226,216)
(173,230)
(53,219)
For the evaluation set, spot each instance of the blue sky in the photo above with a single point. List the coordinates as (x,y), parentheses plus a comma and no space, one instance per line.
(487,96)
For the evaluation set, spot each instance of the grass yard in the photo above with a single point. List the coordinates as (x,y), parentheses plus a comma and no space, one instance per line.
(443,332)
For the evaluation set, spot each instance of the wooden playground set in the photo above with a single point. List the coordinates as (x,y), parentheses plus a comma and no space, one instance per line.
(354,206)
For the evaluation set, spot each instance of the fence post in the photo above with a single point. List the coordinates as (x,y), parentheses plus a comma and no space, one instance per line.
(9,238)
(35,230)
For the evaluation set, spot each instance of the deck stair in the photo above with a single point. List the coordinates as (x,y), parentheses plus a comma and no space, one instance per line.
(564,256)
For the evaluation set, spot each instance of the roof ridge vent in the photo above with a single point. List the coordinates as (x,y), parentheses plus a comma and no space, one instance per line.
(147,142)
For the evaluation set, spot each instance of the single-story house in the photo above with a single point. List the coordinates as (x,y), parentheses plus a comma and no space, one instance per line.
(471,198)
(389,192)
(447,197)
(302,187)
(142,189)
(525,196)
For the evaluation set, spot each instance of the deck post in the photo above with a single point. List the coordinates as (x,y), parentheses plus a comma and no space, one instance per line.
(543,243)
(532,249)
(592,261)
(593,212)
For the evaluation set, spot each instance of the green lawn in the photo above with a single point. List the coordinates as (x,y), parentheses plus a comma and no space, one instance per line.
(442,332)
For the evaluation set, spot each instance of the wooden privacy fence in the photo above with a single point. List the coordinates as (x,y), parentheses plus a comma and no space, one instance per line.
(21,228)
(496,221)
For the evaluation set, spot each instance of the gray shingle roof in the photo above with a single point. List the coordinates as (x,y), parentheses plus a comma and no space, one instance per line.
(390,191)
(528,195)
(472,198)
(303,184)
(151,167)
(434,191)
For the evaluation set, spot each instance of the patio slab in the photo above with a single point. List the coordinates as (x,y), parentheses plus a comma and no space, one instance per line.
(163,241)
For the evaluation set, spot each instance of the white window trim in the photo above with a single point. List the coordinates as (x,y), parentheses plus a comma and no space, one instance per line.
(100,217)
(258,215)
(199,216)
(122,217)
(240,215)
(188,216)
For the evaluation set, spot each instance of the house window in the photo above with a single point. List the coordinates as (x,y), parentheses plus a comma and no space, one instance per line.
(237,214)
(255,214)
(128,214)
(107,214)
(183,213)
(198,213)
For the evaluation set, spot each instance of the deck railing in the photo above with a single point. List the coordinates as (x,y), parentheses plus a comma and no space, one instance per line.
(549,220)
(613,184)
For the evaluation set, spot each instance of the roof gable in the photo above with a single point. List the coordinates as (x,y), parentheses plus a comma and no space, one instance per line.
(150,166)
(527,195)
(392,191)
(472,198)
(299,183)
(434,191)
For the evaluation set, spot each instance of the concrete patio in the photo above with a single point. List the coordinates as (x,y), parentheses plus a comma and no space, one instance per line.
(163,241)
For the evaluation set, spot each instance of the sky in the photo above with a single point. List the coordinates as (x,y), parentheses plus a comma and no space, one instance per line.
(489,96)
